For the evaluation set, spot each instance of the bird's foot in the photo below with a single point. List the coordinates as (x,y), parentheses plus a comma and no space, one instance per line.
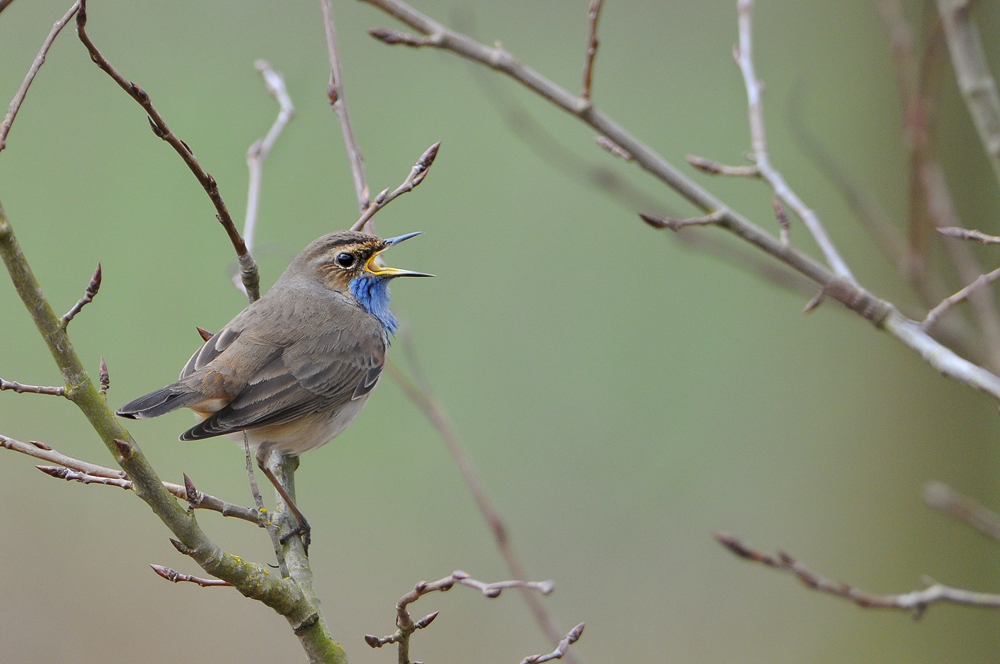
(303,530)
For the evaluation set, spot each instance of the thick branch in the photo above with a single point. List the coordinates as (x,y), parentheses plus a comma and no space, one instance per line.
(248,268)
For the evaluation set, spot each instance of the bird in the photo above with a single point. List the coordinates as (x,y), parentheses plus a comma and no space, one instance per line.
(295,368)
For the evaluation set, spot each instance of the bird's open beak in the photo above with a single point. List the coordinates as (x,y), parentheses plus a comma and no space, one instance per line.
(373,267)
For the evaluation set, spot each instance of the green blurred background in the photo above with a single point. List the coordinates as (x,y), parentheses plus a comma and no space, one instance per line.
(622,396)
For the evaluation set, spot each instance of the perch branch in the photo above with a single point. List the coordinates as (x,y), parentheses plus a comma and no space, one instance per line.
(248,268)
(882,314)
(335,93)
(416,176)
(943,498)
(15,104)
(915,602)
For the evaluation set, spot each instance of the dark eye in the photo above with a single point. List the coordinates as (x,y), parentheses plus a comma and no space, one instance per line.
(345,259)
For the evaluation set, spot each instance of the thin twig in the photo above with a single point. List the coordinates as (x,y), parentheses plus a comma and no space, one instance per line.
(21,388)
(70,475)
(915,602)
(940,310)
(572,637)
(784,228)
(882,314)
(335,92)
(676,224)
(44,452)
(593,15)
(274,83)
(610,146)
(968,234)
(407,626)
(744,60)
(715,168)
(15,104)
(177,577)
(88,297)
(972,72)
(943,498)
(425,400)
(248,268)
(416,176)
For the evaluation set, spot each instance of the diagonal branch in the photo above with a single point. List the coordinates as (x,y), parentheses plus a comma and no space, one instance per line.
(416,176)
(248,268)
(882,314)
(943,498)
(915,602)
(572,637)
(15,104)
(88,297)
(335,92)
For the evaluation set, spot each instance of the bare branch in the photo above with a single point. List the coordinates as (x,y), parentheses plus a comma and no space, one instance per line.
(416,176)
(915,602)
(248,268)
(882,314)
(677,224)
(940,310)
(968,234)
(20,388)
(119,477)
(972,72)
(335,92)
(274,83)
(612,147)
(88,297)
(715,168)
(62,473)
(593,15)
(943,498)
(176,577)
(15,103)
(407,626)
(572,637)
(744,59)
(425,400)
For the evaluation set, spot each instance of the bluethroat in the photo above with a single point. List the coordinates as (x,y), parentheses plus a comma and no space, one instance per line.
(294,369)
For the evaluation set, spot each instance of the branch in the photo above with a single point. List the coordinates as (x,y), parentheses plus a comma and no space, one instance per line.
(88,297)
(274,83)
(572,637)
(882,314)
(593,15)
(967,234)
(15,104)
(407,626)
(425,400)
(973,75)
(248,268)
(416,176)
(744,59)
(715,168)
(935,314)
(945,499)
(335,92)
(176,577)
(915,602)
(20,388)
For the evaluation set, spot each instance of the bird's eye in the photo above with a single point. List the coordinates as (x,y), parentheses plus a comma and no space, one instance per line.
(345,259)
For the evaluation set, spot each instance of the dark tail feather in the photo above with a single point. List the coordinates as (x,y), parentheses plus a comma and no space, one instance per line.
(160,402)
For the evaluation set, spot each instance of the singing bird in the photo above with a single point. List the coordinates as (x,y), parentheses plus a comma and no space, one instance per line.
(294,369)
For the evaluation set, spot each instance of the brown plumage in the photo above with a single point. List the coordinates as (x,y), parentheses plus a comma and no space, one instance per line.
(294,368)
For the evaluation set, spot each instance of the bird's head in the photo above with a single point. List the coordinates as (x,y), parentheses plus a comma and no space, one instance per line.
(349,262)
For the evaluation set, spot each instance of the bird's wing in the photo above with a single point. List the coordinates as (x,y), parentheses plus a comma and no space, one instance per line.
(314,374)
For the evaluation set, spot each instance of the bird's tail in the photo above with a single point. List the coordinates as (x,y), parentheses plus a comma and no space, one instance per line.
(160,402)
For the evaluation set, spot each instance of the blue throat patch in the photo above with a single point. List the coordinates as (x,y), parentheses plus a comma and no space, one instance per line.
(372,293)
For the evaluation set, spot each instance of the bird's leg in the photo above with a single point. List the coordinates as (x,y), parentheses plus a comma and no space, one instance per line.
(302,528)
(265,520)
